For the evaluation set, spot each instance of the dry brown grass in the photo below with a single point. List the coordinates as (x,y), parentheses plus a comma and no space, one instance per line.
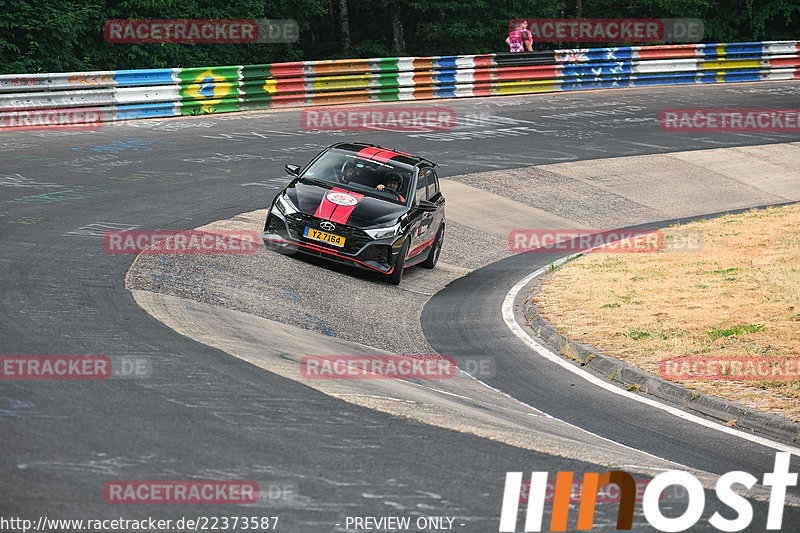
(643,307)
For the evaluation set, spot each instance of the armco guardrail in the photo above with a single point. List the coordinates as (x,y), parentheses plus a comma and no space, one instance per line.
(129,94)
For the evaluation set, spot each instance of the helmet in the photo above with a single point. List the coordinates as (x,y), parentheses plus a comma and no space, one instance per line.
(349,171)
(394,176)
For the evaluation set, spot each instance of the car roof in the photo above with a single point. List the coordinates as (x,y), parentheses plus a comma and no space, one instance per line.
(384,155)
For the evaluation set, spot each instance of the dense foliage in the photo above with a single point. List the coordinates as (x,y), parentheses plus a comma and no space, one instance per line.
(66,35)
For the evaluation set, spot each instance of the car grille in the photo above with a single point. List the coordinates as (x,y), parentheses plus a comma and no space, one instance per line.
(355,239)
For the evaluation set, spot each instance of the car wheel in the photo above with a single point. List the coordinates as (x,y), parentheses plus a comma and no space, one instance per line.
(433,256)
(397,273)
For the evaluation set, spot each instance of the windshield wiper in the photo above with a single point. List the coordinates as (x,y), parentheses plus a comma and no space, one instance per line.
(319,182)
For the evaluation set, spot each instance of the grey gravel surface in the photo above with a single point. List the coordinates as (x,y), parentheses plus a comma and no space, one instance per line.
(618,193)
(305,292)
(585,203)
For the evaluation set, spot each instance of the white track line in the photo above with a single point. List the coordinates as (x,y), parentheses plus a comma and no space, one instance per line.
(516,329)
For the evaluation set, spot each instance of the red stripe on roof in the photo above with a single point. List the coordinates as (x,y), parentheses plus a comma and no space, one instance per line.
(384,156)
(368,152)
(380,154)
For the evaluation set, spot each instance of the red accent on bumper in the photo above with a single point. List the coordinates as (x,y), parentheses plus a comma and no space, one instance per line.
(329,252)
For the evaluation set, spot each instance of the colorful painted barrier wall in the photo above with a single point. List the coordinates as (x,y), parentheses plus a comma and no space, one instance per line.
(130,94)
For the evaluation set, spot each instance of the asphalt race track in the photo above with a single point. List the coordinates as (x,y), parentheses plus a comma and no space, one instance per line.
(199,413)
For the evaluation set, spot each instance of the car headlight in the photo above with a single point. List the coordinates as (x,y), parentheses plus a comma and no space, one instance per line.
(285,206)
(383,233)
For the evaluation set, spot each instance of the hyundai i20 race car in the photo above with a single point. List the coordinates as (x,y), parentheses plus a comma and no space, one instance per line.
(363,205)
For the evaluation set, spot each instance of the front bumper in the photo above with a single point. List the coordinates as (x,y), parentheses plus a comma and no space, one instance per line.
(286,236)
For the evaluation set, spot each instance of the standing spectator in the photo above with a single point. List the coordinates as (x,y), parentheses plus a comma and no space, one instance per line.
(520,35)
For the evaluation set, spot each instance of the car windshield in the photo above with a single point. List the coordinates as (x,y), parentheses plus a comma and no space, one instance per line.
(346,170)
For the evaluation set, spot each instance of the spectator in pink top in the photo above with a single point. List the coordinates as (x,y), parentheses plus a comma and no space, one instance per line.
(520,36)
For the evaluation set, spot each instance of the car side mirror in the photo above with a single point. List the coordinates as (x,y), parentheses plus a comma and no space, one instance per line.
(292,170)
(425,205)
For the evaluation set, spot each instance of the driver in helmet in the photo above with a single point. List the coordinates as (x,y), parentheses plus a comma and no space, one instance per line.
(350,172)
(392,181)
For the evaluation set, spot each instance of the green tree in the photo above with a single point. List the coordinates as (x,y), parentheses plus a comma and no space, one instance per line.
(66,35)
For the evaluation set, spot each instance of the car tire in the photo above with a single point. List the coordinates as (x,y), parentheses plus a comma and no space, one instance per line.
(436,249)
(397,273)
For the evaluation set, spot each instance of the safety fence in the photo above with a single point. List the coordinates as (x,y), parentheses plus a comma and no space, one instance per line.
(129,94)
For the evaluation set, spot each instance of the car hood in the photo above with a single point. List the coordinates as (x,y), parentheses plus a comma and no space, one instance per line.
(331,203)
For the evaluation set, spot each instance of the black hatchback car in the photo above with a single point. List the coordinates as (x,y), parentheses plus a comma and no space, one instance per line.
(363,205)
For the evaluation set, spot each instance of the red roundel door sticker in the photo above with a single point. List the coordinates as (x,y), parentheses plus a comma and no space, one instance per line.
(340,198)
